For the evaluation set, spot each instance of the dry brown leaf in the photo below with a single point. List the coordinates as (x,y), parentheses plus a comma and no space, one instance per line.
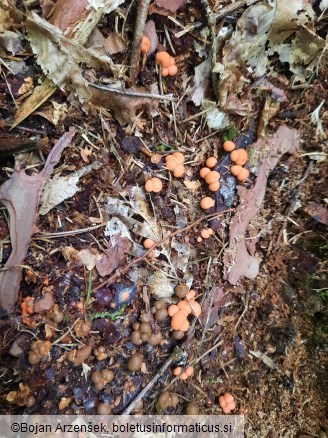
(86,257)
(46,302)
(85,154)
(114,43)
(193,186)
(66,15)
(238,262)
(114,256)
(318,212)
(150,32)
(21,195)
(124,107)
(166,7)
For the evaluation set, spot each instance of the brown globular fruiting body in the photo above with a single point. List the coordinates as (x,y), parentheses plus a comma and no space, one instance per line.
(177,334)
(135,338)
(181,290)
(33,358)
(103,409)
(229,146)
(191,409)
(30,401)
(167,399)
(100,353)
(207,203)
(135,362)
(211,162)
(161,314)
(154,339)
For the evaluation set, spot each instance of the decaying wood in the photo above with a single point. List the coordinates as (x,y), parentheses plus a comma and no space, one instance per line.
(21,195)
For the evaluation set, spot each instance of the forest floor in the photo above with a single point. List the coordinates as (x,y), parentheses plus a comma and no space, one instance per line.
(77,285)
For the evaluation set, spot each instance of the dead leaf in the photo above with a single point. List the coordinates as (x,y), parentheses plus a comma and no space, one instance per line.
(54,112)
(271,108)
(66,15)
(60,58)
(201,82)
(26,86)
(114,43)
(193,186)
(210,309)
(264,358)
(6,20)
(150,32)
(166,7)
(86,257)
(114,256)
(284,29)
(318,212)
(10,41)
(59,188)
(46,302)
(85,154)
(124,106)
(21,195)
(238,262)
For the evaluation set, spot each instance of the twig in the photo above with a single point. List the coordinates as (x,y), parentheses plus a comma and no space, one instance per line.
(142,13)
(134,94)
(121,271)
(234,7)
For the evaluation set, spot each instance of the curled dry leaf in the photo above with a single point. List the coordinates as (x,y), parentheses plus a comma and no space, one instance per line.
(318,212)
(124,106)
(166,7)
(21,195)
(46,302)
(238,261)
(61,58)
(86,257)
(114,256)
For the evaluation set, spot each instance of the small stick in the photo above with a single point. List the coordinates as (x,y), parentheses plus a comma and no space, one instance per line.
(142,13)
(119,272)
(234,7)
(135,94)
